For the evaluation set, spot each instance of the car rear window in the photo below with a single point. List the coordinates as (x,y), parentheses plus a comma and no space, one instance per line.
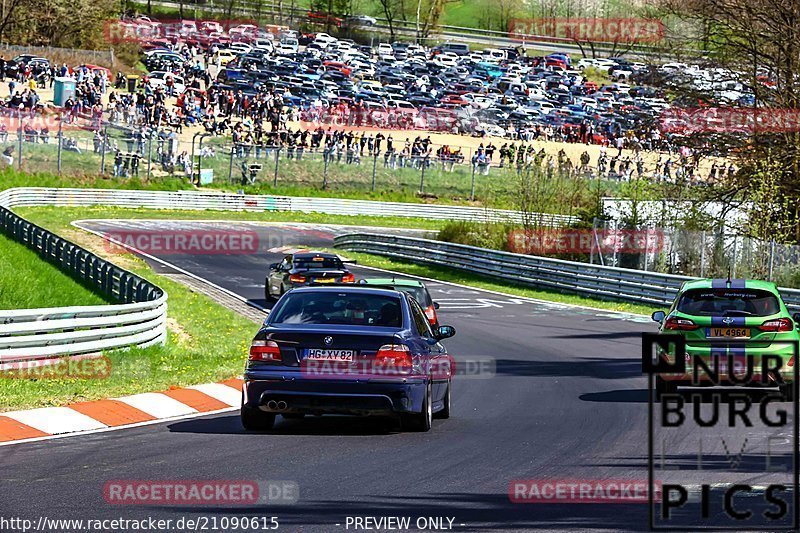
(732,302)
(318,262)
(345,308)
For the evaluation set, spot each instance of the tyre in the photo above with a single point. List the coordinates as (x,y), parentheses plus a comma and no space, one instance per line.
(665,387)
(787,391)
(445,412)
(256,420)
(267,295)
(420,421)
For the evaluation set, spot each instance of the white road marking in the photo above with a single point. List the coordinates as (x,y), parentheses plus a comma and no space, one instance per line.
(477,303)
(55,420)
(218,391)
(118,428)
(157,405)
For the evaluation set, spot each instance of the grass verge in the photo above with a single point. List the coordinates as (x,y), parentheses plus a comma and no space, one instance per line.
(24,274)
(207,342)
(57,216)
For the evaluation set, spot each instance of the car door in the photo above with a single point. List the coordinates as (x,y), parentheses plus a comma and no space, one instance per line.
(278,277)
(433,350)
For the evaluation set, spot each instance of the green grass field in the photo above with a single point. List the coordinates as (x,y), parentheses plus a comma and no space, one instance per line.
(28,282)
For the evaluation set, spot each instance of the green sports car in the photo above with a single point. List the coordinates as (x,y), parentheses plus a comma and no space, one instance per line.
(723,322)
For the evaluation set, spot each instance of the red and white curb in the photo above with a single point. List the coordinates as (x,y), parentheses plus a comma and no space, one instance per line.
(117,413)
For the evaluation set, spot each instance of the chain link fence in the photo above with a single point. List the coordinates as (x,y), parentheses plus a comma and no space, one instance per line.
(79,147)
(696,253)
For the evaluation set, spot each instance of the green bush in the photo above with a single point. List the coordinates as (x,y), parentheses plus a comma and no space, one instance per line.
(492,235)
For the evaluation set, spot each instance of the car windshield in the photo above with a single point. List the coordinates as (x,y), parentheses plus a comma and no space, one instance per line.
(345,308)
(730,302)
(318,262)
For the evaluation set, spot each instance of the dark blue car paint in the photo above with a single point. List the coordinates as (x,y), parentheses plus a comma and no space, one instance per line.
(358,394)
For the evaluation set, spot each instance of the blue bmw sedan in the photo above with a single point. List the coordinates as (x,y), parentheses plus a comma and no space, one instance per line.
(350,350)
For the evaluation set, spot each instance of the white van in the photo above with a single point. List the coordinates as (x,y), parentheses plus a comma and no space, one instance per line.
(493,55)
(264,44)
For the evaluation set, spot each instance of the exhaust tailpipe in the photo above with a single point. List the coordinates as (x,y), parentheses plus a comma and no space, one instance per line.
(282,405)
(272,405)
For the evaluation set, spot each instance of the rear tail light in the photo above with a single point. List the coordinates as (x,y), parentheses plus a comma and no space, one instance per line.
(430,312)
(396,356)
(349,278)
(265,351)
(778,324)
(791,362)
(297,278)
(682,324)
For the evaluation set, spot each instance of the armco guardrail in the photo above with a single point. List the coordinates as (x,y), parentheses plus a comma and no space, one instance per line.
(567,276)
(33,196)
(43,333)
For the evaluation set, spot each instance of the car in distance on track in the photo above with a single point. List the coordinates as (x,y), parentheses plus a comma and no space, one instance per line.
(351,350)
(414,287)
(305,268)
(732,318)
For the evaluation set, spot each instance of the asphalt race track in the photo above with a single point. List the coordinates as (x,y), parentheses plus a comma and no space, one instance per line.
(567,400)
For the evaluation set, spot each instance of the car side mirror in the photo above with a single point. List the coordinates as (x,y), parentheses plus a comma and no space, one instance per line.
(436,305)
(658,316)
(274,266)
(444,332)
